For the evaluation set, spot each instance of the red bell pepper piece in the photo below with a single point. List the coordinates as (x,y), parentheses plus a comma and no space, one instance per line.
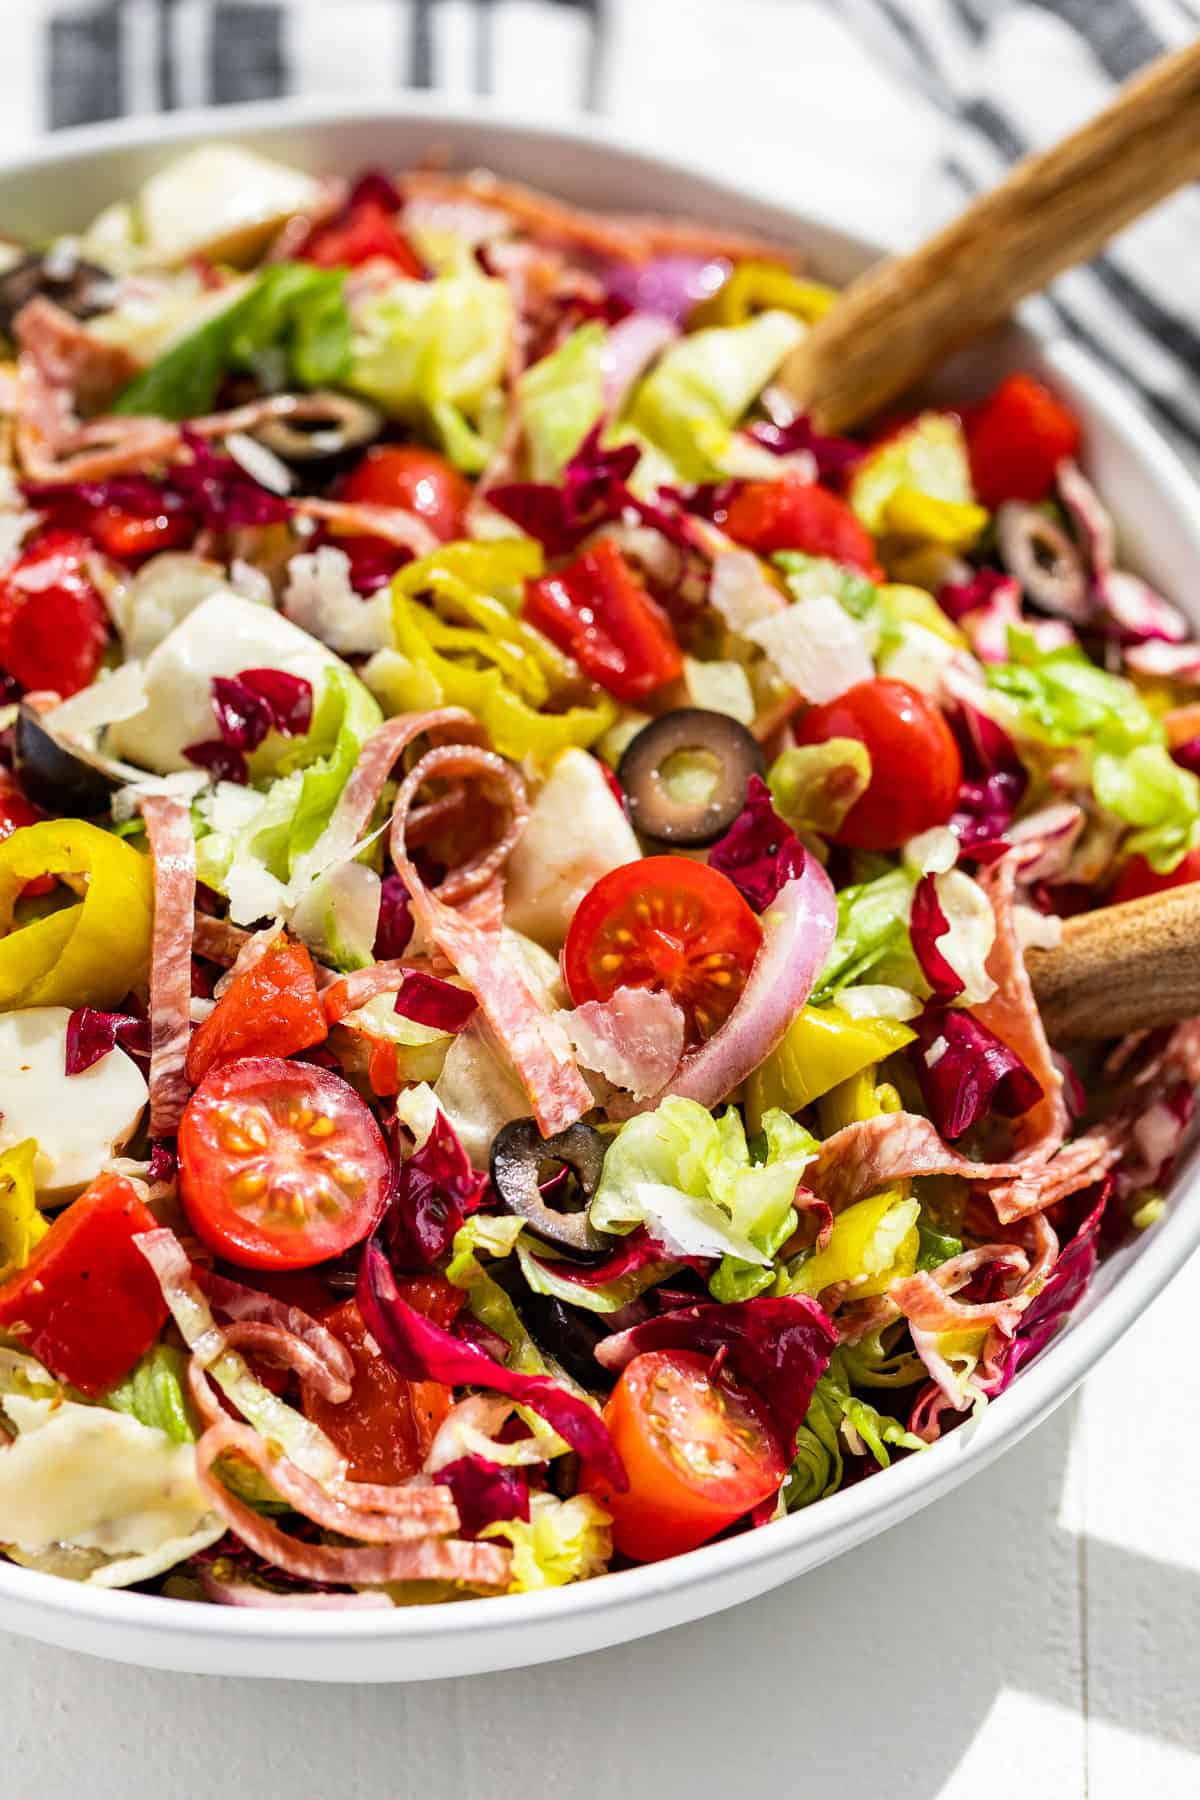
(799,515)
(365,230)
(87,1304)
(270,1009)
(53,623)
(598,612)
(1016,440)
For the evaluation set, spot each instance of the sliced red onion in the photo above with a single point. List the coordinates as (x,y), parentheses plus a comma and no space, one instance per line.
(247,1593)
(630,347)
(1090,517)
(669,286)
(1178,662)
(1141,613)
(798,933)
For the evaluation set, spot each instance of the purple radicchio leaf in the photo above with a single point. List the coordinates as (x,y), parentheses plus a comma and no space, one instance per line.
(759,853)
(485,1493)
(966,1072)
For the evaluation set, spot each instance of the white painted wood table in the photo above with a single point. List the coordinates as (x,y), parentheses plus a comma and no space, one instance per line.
(1033,1637)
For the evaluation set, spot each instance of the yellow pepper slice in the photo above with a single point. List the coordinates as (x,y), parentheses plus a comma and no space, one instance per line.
(929,455)
(761,287)
(823,1048)
(89,954)
(874,1242)
(914,606)
(857,1098)
(955,524)
(514,727)
(21,1224)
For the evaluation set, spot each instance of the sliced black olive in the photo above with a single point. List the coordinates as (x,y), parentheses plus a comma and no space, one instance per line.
(519,1155)
(60,779)
(569,1334)
(685,775)
(1043,559)
(321,427)
(80,288)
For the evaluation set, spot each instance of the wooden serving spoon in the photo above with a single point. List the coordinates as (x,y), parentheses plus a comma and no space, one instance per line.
(905,315)
(1122,968)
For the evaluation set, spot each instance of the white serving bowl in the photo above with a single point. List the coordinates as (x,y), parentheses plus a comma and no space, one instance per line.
(64,182)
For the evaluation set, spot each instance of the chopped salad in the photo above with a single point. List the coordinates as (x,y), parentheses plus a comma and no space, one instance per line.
(518,853)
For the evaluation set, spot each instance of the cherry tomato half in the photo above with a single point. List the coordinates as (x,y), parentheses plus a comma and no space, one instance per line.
(668,923)
(1137,878)
(386,1427)
(916,770)
(418,480)
(53,623)
(281,1165)
(87,1303)
(799,515)
(699,1453)
(128,536)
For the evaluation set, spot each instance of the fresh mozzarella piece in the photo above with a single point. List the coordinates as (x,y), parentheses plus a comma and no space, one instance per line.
(79,1121)
(222,202)
(98,1480)
(221,636)
(576,833)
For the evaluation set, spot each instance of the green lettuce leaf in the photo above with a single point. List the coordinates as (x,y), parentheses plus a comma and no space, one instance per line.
(691,1179)
(256,845)
(563,1541)
(873,936)
(561,397)
(154,1393)
(434,353)
(700,388)
(292,324)
(837,1418)
(1062,699)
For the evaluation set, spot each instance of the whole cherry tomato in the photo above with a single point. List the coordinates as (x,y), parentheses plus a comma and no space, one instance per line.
(916,769)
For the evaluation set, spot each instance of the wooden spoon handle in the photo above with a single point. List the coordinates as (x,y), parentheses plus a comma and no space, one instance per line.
(1122,968)
(1050,212)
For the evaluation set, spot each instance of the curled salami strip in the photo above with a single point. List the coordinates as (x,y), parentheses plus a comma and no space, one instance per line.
(173,853)
(1012,1013)
(246,1305)
(403,1550)
(391,523)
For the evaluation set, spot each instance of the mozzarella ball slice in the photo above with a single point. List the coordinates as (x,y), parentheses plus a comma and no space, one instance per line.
(79,1121)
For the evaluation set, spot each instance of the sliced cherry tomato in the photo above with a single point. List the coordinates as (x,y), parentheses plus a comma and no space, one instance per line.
(916,769)
(798,515)
(599,613)
(15,812)
(281,1165)
(366,230)
(87,1304)
(271,1009)
(1137,878)
(128,536)
(1016,440)
(386,1427)
(53,623)
(418,480)
(669,923)
(698,1451)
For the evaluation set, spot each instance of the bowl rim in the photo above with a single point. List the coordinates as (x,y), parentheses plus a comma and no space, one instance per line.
(845,1518)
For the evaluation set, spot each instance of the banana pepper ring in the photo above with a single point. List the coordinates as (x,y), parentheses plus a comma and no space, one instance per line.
(89,954)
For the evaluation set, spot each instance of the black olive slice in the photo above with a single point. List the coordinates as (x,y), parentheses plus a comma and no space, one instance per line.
(80,288)
(688,803)
(60,779)
(520,1152)
(1040,555)
(322,426)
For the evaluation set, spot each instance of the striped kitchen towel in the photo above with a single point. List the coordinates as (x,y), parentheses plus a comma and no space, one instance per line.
(882,112)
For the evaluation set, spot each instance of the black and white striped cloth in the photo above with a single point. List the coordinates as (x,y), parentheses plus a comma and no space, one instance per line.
(881,112)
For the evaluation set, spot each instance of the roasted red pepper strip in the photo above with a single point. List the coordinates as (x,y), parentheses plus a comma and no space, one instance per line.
(598,612)
(87,1303)
(799,515)
(53,623)
(270,1009)
(1017,439)
(367,230)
